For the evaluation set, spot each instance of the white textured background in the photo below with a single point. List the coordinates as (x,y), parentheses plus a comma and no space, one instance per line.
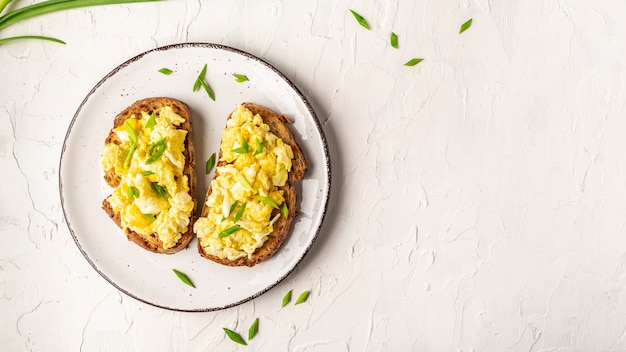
(478,199)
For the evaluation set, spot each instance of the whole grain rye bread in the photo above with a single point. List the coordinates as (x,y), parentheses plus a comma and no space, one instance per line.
(279,126)
(153,243)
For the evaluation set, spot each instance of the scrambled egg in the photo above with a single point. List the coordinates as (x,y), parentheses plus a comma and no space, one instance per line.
(245,192)
(153,195)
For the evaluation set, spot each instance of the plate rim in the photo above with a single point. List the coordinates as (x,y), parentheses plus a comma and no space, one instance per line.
(295,89)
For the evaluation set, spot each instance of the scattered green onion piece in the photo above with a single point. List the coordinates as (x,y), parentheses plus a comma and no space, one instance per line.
(229,231)
(166,71)
(465,26)
(183,278)
(287,298)
(208,89)
(230,210)
(129,155)
(240,78)
(159,190)
(285,210)
(303,297)
(132,135)
(149,217)
(244,149)
(267,200)
(235,337)
(258,149)
(394,40)
(362,21)
(200,78)
(132,192)
(244,182)
(151,121)
(209,164)
(413,62)
(240,212)
(147,173)
(254,328)
(160,149)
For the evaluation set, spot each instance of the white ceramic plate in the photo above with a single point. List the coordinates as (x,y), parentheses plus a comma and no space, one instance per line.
(149,277)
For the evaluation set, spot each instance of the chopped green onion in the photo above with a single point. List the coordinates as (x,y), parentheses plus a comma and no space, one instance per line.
(258,149)
(132,192)
(362,21)
(159,190)
(166,71)
(210,163)
(244,182)
(235,337)
(129,155)
(183,278)
(230,210)
(240,212)
(285,210)
(465,26)
(254,328)
(287,298)
(244,149)
(229,231)
(394,40)
(200,78)
(303,297)
(160,149)
(267,200)
(413,62)
(240,78)
(149,217)
(147,173)
(151,121)
(208,89)
(132,135)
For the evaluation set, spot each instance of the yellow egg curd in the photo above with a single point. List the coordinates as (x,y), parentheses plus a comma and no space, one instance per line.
(153,194)
(246,190)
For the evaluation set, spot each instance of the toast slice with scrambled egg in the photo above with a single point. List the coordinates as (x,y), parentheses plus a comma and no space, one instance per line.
(251,202)
(148,159)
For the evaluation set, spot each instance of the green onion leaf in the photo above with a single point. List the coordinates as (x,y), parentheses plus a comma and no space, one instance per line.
(240,78)
(267,200)
(150,217)
(254,328)
(132,192)
(394,40)
(235,337)
(20,37)
(244,182)
(166,71)
(230,210)
(209,164)
(160,149)
(129,155)
(287,298)
(465,26)
(229,231)
(147,173)
(362,21)
(183,278)
(244,149)
(240,212)
(132,135)
(151,121)
(159,190)
(303,297)
(208,89)
(285,210)
(413,62)
(200,78)
(258,149)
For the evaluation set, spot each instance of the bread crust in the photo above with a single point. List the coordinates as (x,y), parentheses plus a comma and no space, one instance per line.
(279,126)
(152,243)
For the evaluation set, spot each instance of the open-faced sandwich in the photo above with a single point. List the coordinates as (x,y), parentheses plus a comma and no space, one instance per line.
(251,203)
(148,159)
